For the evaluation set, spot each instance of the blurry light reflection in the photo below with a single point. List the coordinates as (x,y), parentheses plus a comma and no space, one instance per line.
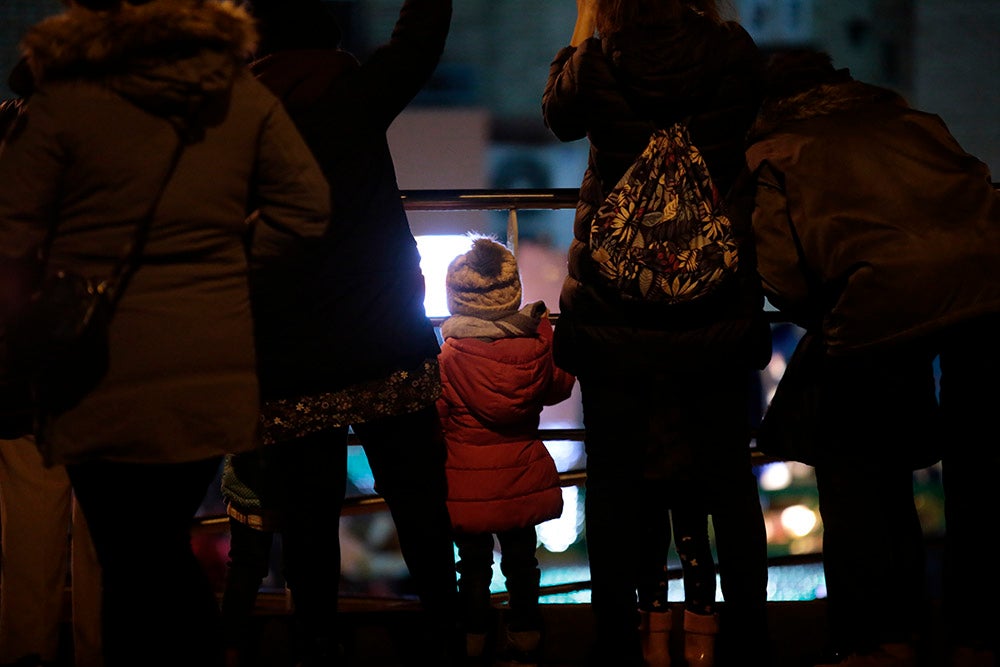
(798,520)
(436,253)
(775,477)
(560,534)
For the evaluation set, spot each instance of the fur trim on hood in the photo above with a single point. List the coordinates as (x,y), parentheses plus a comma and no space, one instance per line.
(822,100)
(83,40)
(174,58)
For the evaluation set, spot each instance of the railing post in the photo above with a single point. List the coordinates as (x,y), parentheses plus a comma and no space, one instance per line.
(512,230)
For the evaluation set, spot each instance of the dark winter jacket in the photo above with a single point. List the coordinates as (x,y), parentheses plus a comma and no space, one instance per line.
(359,315)
(500,475)
(614,92)
(91,151)
(899,227)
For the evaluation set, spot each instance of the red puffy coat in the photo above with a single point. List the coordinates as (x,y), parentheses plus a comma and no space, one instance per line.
(500,475)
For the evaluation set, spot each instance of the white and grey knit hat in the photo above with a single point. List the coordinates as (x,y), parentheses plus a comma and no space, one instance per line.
(484,282)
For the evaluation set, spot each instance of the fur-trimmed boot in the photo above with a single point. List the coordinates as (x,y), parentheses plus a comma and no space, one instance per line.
(654,631)
(700,631)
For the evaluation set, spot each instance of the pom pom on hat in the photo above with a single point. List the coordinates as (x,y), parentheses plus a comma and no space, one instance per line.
(484,282)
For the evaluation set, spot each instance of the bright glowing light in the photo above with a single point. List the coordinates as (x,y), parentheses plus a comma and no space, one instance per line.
(565,453)
(775,476)
(559,534)
(436,253)
(798,520)
(776,367)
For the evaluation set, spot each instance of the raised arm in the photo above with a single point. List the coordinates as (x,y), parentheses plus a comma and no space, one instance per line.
(397,70)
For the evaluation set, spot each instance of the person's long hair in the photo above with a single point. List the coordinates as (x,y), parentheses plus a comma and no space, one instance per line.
(614,15)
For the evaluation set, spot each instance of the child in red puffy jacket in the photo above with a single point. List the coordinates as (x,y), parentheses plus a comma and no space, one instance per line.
(497,374)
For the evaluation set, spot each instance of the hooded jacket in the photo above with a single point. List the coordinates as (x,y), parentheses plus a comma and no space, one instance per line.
(676,65)
(115,92)
(898,226)
(500,475)
(358,316)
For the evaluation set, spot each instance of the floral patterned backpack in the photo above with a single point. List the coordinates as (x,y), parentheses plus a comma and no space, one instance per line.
(662,233)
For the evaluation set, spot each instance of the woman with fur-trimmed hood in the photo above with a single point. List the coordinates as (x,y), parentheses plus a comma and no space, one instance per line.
(119,86)
(875,229)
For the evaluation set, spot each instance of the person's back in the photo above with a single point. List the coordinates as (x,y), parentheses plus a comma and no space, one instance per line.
(899,170)
(497,374)
(120,127)
(345,342)
(900,266)
(121,89)
(665,390)
(370,269)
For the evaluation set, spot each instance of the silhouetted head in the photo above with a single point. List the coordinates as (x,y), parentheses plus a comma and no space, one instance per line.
(798,70)
(617,15)
(286,25)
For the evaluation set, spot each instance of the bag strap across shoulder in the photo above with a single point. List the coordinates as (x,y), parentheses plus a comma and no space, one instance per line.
(114,284)
(129,260)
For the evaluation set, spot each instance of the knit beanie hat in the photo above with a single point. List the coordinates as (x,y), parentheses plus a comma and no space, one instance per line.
(484,282)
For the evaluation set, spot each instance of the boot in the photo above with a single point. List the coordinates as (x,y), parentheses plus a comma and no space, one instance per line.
(700,631)
(521,637)
(654,632)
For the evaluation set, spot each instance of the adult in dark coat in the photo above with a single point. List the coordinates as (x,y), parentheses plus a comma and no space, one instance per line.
(876,230)
(665,389)
(346,341)
(117,90)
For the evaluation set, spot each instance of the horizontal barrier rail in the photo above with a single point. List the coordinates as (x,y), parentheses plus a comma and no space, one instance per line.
(490,200)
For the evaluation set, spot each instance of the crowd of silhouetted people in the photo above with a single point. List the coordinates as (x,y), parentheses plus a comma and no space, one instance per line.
(274,302)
